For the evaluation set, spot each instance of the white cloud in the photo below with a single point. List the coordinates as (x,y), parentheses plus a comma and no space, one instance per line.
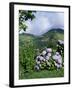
(45,21)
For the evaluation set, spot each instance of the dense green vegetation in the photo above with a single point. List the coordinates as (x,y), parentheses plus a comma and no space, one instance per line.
(43,74)
(30,46)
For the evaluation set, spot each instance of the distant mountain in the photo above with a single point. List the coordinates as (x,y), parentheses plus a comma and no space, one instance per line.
(58,30)
(48,39)
(59,33)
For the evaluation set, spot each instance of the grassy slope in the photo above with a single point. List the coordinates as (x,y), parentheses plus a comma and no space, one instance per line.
(46,40)
(43,74)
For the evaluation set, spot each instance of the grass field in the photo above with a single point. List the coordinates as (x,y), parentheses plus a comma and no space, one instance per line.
(43,74)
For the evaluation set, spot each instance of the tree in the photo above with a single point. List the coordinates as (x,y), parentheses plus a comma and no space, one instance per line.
(24,16)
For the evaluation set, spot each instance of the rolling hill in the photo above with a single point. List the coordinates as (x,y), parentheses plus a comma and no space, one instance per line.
(47,39)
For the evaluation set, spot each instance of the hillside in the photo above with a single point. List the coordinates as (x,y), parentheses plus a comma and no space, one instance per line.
(59,33)
(48,39)
(30,46)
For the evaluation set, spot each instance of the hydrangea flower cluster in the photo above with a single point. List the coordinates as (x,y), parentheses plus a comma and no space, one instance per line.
(46,56)
(43,58)
(58,60)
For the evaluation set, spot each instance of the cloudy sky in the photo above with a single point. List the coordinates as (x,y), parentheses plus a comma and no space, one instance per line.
(44,21)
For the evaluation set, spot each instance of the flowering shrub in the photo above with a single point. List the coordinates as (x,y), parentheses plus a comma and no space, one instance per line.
(48,61)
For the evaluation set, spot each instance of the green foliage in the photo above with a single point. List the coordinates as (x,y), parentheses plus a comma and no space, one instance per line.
(29,46)
(24,16)
(27,58)
(43,74)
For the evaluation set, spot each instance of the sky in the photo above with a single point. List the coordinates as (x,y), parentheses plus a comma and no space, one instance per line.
(43,22)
